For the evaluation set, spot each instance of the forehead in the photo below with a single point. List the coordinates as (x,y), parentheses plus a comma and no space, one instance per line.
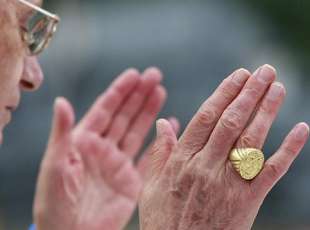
(34,2)
(37,2)
(10,41)
(23,11)
(7,12)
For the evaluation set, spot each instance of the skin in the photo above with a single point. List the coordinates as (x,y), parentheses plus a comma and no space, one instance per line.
(191,180)
(18,71)
(87,179)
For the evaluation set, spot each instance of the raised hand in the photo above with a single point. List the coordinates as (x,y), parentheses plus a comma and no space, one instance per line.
(192,184)
(88,179)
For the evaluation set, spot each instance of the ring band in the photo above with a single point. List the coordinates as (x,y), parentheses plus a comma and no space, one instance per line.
(248,162)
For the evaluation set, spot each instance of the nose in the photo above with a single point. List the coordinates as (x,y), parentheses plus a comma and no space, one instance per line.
(32,77)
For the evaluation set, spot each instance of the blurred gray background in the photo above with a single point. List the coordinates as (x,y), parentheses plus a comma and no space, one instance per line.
(196,44)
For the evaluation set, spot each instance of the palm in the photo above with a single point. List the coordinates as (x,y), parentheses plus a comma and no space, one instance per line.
(105,183)
(88,179)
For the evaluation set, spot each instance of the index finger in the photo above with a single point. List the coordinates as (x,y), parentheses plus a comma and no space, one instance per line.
(100,114)
(199,129)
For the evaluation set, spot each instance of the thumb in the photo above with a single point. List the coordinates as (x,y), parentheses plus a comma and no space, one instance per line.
(174,122)
(158,154)
(63,119)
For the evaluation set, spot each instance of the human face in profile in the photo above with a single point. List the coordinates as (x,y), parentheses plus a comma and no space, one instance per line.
(25,32)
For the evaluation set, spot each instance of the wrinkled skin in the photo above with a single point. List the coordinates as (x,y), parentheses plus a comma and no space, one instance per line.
(191,183)
(88,179)
(17,70)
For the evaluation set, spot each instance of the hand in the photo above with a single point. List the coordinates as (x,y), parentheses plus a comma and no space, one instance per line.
(88,179)
(192,184)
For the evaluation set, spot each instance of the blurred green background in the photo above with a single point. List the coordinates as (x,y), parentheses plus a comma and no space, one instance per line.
(196,44)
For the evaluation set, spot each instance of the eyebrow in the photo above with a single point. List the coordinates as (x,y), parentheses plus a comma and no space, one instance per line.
(39,9)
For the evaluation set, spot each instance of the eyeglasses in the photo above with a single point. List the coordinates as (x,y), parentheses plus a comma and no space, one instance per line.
(39,29)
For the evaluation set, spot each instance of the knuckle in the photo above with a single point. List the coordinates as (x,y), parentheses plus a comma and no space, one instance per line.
(267,107)
(264,109)
(244,103)
(169,145)
(275,170)
(183,184)
(231,120)
(252,93)
(290,150)
(226,89)
(248,140)
(186,179)
(207,115)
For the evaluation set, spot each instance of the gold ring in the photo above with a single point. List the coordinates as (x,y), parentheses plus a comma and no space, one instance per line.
(248,162)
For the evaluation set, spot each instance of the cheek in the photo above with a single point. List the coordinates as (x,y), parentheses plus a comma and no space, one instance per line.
(11,70)
(11,58)
(12,55)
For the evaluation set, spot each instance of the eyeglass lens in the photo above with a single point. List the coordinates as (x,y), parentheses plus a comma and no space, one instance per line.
(39,27)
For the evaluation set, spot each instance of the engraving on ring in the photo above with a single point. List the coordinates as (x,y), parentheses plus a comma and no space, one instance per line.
(248,162)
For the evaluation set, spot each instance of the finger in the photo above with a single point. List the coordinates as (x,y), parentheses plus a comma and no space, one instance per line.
(144,163)
(150,79)
(100,156)
(157,156)
(60,137)
(197,132)
(140,127)
(280,162)
(63,120)
(236,116)
(100,114)
(174,122)
(255,134)
(104,162)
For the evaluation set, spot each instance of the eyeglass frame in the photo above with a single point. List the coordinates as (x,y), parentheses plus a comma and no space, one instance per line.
(53,22)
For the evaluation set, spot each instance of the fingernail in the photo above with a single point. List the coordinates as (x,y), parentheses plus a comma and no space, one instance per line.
(57,101)
(132,71)
(240,76)
(276,91)
(302,131)
(265,74)
(160,124)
